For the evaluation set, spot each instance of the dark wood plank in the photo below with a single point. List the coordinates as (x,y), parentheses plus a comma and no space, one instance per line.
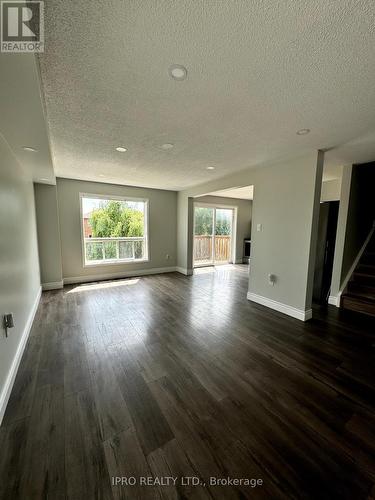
(21,400)
(192,439)
(85,465)
(112,412)
(13,444)
(160,468)
(152,428)
(43,467)
(182,376)
(125,459)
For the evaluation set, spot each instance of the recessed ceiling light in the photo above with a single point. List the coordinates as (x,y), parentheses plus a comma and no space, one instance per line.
(210,168)
(120,149)
(178,72)
(166,146)
(29,148)
(303,131)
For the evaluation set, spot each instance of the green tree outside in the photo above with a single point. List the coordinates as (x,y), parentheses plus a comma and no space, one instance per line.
(112,220)
(203,222)
(116,219)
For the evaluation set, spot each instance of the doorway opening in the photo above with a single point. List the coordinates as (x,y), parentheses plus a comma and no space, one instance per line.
(213,235)
(325,251)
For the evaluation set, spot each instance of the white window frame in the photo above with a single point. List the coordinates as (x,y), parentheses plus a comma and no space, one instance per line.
(114,262)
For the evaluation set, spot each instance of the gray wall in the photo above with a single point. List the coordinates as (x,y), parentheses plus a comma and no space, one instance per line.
(48,234)
(162,227)
(286,203)
(184,259)
(243,228)
(19,267)
(331,190)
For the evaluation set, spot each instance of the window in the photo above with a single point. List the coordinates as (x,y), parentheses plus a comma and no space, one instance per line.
(114,230)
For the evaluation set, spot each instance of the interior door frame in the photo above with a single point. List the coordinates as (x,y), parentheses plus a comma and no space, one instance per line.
(234,208)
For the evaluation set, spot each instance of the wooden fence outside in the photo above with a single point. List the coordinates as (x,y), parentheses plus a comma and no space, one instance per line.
(203,248)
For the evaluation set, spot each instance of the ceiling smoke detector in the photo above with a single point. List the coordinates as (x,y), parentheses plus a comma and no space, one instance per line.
(178,72)
(303,131)
(166,146)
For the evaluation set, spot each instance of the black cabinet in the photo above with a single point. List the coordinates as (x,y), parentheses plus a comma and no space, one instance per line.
(246,251)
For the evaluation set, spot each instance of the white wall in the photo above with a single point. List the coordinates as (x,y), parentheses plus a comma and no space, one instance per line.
(19,266)
(162,229)
(243,226)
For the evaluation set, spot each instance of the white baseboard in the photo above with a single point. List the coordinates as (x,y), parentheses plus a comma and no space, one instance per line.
(53,285)
(279,306)
(123,274)
(7,389)
(183,270)
(334,300)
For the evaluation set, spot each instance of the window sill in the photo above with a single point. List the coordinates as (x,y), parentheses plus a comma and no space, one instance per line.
(115,262)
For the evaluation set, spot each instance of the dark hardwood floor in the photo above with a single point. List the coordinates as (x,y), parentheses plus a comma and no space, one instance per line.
(173,376)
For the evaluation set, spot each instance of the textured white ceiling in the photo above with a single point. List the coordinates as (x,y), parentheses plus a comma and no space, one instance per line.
(330,172)
(257,72)
(358,150)
(241,193)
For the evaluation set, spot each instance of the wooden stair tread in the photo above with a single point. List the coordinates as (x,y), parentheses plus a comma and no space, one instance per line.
(364,275)
(358,304)
(364,278)
(368,296)
(366,269)
(360,292)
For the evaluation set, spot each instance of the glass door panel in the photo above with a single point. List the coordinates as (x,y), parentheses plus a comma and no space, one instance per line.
(203,235)
(223,235)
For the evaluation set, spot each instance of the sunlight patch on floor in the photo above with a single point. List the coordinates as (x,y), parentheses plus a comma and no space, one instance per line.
(213,269)
(204,270)
(104,284)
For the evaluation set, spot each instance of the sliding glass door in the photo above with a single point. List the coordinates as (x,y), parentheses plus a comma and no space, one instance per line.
(213,227)
(223,235)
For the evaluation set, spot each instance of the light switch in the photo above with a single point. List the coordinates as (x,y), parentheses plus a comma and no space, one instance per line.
(259,227)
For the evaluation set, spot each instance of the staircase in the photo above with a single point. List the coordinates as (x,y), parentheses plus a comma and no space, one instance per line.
(359,294)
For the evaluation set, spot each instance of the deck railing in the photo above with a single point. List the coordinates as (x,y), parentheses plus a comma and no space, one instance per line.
(114,249)
(203,249)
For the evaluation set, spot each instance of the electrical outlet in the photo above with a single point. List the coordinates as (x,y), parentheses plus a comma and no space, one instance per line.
(272,279)
(167,257)
(8,322)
